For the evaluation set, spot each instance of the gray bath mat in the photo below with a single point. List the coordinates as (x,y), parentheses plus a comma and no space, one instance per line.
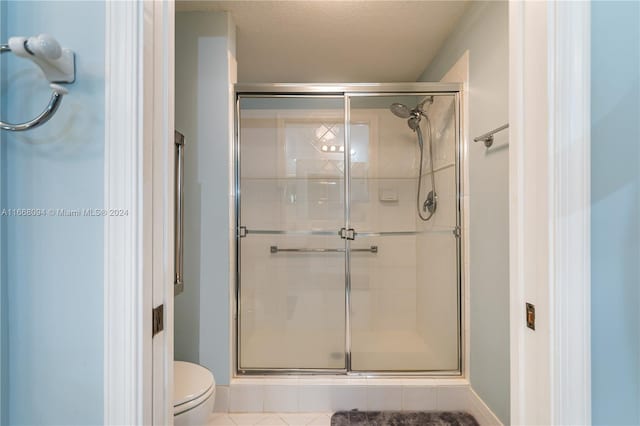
(403,418)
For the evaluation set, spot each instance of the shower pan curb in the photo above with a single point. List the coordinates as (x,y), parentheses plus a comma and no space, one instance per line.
(300,395)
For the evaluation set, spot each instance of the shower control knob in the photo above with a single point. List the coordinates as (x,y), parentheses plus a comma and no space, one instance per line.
(431,203)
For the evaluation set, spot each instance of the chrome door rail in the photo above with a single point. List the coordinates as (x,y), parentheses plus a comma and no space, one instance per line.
(435,230)
(245,231)
(343,88)
(276,249)
(286,372)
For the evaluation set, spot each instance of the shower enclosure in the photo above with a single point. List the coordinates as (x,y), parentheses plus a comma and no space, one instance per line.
(337,272)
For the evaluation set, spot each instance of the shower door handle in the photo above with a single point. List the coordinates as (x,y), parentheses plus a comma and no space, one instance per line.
(347,234)
(178,286)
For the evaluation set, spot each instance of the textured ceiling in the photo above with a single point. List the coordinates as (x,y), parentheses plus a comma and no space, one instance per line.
(336,41)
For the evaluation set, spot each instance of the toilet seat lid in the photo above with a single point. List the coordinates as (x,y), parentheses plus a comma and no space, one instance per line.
(190,381)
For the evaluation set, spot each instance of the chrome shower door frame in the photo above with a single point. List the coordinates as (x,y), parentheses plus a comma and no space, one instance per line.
(347,92)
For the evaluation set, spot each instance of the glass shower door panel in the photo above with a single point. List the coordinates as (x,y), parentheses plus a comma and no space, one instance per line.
(404,298)
(291,264)
(404,302)
(292,303)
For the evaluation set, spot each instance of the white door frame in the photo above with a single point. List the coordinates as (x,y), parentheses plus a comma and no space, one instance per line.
(138,248)
(549,211)
(549,168)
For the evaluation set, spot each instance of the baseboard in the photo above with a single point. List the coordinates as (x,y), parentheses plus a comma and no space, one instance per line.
(482,412)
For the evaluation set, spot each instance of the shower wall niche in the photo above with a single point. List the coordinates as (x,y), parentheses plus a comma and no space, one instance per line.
(336,272)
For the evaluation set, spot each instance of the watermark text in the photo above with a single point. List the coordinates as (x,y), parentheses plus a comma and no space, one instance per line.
(63,212)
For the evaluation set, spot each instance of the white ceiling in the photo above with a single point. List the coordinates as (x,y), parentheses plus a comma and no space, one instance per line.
(336,41)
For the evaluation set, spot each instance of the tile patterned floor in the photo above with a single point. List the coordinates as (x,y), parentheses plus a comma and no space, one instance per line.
(270,419)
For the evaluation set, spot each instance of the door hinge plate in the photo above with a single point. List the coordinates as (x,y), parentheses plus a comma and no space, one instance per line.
(531,316)
(158,319)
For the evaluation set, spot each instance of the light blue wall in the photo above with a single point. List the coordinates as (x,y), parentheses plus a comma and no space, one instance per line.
(615,220)
(52,269)
(205,69)
(4,347)
(484,31)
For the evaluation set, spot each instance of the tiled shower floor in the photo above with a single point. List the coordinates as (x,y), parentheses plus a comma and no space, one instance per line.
(270,419)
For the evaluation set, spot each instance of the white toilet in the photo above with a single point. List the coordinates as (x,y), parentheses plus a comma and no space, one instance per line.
(194,392)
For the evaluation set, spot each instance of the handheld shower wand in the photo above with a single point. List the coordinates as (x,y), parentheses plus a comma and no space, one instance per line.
(414,116)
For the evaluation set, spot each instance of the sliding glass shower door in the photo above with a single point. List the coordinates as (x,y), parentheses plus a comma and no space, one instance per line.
(349,237)
(291,260)
(404,301)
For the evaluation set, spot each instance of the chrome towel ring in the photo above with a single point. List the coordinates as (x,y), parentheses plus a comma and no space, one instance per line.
(57,64)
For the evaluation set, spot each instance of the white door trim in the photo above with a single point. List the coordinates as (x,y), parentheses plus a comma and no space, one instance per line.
(127,285)
(138,179)
(550,211)
(159,102)
(570,156)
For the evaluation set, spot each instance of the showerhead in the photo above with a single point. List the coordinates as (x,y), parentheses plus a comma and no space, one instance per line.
(413,115)
(400,110)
